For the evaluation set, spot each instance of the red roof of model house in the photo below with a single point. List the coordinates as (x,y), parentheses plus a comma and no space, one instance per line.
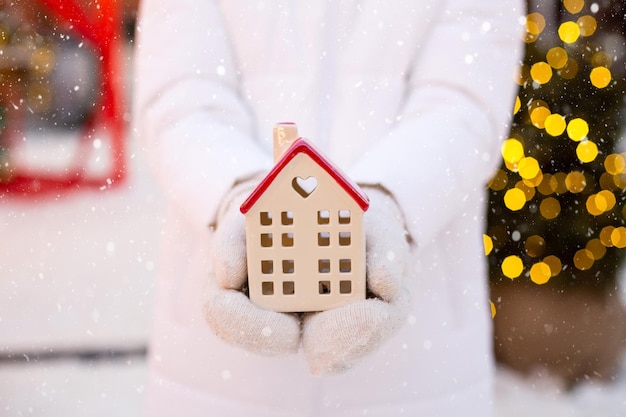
(298,147)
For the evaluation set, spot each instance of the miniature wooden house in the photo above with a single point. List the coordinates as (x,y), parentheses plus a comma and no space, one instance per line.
(304,232)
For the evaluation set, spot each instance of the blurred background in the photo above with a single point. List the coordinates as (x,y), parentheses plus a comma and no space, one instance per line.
(80,215)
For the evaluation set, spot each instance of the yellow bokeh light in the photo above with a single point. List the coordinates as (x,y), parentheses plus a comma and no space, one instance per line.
(557,57)
(540,273)
(600,77)
(488,244)
(529,191)
(512,150)
(538,116)
(620,180)
(573,6)
(607,181)
(601,59)
(517,105)
(550,208)
(522,75)
(587,151)
(587,24)
(595,205)
(43,60)
(39,96)
(554,263)
(534,246)
(608,199)
(555,124)
(493,309)
(614,164)
(583,259)
(541,72)
(569,32)
(511,167)
(605,236)
(514,199)
(570,70)
(548,184)
(618,237)
(498,181)
(512,266)
(561,182)
(575,182)
(535,23)
(577,129)
(528,167)
(600,202)
(597,249)
(533,182)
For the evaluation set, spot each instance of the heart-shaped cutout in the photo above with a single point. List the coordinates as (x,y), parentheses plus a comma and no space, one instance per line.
(304,186)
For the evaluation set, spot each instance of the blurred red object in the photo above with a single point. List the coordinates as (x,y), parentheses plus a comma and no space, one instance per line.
(100,24)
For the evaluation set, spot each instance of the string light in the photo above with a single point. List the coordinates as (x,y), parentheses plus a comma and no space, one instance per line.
(555,124)
(557,200)
(588,25)
(569,32)
(577,129)
(557,57)
(512,266)
(600,77)
(573,6)
(540,273)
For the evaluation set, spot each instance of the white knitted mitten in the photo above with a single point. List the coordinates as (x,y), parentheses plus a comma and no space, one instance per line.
(229,312)
(334,340)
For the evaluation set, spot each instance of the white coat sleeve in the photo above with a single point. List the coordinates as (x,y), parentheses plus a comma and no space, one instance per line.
(446,143)
(196,129)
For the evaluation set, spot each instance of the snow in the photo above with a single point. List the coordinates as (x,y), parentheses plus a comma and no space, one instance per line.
(76,286)
(77,275)
(542,396)
(75,268)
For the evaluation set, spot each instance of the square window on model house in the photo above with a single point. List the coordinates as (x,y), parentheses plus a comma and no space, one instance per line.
(267,267)
(323,217)
(345,238)
(344,216)
(288,266)
(266,218)
(267,288)
(323,266)
(324,287)
(287,240)
(345,265)
(323,239)
(286,218)
(345,287)
(289,288)
(266,240)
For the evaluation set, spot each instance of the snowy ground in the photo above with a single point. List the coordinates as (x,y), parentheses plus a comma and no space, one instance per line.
(544,397)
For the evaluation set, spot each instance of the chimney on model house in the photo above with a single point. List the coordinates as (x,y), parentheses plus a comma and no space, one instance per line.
(285,134)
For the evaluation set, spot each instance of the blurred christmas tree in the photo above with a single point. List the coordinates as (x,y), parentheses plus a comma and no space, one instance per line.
(557,205)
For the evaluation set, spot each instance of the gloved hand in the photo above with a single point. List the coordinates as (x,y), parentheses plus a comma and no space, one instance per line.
(229,312)
(333,340)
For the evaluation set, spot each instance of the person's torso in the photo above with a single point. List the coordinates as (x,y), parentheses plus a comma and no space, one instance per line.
(337,69)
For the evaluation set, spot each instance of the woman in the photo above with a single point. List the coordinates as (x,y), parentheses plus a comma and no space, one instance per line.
(411,99)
